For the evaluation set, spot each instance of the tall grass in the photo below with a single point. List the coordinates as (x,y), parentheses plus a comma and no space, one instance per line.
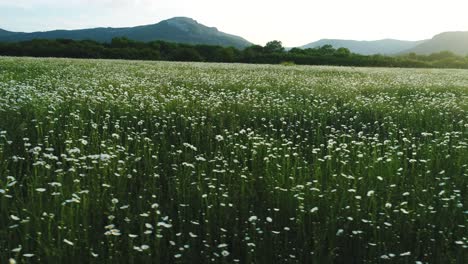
(133,162)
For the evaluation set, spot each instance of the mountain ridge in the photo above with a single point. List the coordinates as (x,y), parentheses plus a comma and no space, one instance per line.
(453,41)
(189,31)
(177,29)
(386,46)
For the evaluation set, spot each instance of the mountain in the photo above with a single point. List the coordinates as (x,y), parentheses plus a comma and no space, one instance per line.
(384,46)
(177,29)
(456,42)
(4,32)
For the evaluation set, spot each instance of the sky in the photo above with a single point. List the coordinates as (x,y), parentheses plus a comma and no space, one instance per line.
(294,22)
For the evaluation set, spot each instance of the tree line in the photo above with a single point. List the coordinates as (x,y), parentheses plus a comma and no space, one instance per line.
(272,53)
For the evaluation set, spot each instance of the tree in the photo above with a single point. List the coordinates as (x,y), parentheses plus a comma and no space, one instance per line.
(186,54)
(342,52)
(442,55)
(274,46)
(226,54)
(120,42)
(250,53)
(327,49)
(297,51)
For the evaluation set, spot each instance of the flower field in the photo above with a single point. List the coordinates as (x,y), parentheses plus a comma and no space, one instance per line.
(160,162)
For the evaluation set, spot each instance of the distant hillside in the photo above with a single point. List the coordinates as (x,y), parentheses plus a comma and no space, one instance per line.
(384,46)
(456,42)
(4,32)
(178,29)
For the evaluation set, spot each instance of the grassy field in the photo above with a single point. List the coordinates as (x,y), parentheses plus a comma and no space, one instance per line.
(155,162)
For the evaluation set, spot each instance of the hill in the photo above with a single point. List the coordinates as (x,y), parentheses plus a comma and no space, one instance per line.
(4,32)
(456,42)
(177,29)
(384,46)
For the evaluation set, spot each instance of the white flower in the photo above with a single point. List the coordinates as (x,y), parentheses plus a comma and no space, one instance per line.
(192,147)
(74,151)
(163,224)
(18,249)
(14,217)
(68,242)
(144,247)
(253,218)
(219,138)
(137,248)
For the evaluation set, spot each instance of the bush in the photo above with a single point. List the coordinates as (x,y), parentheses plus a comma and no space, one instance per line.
(288,63)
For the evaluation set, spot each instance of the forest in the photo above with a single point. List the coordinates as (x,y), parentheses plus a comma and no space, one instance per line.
(272,53)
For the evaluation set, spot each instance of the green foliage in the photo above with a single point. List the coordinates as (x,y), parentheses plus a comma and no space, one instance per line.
(110,161)
(274,46)
(342,52)
(186,54)
(287,63)
(272,53)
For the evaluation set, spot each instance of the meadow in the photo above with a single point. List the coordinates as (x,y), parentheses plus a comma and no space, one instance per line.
(107,161)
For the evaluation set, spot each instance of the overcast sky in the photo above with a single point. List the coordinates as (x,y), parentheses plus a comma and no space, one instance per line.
(294,22)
